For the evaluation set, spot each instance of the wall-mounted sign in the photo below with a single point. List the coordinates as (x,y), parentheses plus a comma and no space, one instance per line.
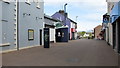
(73,30)
(59,34)
(113,18)
(106,18)
(30,34)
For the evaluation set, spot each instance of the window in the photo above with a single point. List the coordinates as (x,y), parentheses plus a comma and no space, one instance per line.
(38,3)
(27,2)
(6,1)
(62,34)
(59,34)
(30,34)
(35,1)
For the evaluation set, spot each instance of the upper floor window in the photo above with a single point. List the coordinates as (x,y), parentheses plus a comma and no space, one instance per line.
(38,3)
(27,1)
(6,1)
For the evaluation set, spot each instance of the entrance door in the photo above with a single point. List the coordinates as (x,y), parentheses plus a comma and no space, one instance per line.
(114,35)
(58,35)
(118,36)
(73,36)
(46,38)
(40,37)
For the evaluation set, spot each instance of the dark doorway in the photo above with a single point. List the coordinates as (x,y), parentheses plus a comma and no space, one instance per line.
(40,36)
(114,35)
(118,38)
(46,38)
(73,36)
(62,35)
(58,35)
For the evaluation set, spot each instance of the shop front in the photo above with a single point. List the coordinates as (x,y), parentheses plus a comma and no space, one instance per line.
(115,20)
(62,34)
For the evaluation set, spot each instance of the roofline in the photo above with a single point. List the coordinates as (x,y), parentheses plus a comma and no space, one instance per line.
(73,21)
(50,18)
(98,26)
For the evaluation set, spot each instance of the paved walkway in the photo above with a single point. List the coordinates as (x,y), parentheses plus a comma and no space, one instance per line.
(75,53)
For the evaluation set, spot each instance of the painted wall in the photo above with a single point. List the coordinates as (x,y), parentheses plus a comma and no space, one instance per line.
(107,34)
(32,20)
(97,30)
(115,12)
(61,17)
(109,6)
(49,22)
(110,33)
(8,25)
(52,30)
(73,25)
(0,25)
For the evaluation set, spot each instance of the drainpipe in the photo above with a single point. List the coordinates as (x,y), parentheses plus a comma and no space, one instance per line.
(65,13)
(17,25)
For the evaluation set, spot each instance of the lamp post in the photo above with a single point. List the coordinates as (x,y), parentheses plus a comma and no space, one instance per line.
(76,18)
(65,13)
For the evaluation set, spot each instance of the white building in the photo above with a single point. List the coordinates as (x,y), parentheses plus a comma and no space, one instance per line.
(86,35)
(109,29)
(51,24)
(21,24)
(73,30)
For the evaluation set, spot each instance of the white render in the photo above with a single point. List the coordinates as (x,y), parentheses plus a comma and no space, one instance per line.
(110,33)
(49,21)
(52,35)
(107,34)
(110,6)
(109,29)
(73,26)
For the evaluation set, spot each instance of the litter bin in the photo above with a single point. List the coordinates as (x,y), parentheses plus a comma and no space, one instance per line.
(46,38)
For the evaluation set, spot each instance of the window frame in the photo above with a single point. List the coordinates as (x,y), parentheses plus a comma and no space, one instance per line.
(27,2)
(38,3)
(6,1)
(30,38)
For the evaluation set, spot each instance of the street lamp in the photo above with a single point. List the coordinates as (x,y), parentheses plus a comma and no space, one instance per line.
(76,18)
(65,13)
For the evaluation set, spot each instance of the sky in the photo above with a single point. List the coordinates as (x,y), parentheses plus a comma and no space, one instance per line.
(89,12)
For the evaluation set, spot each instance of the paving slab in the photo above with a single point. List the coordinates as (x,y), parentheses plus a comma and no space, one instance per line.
(74,53)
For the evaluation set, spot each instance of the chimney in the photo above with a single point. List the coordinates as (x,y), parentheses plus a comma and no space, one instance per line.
(62,12)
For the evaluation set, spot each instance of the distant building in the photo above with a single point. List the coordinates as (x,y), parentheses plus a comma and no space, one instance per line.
(72,26)
(97,31)
(73,30)
(65,20)
(86,35)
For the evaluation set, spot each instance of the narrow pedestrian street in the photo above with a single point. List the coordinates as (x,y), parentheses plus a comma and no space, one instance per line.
(82,52)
